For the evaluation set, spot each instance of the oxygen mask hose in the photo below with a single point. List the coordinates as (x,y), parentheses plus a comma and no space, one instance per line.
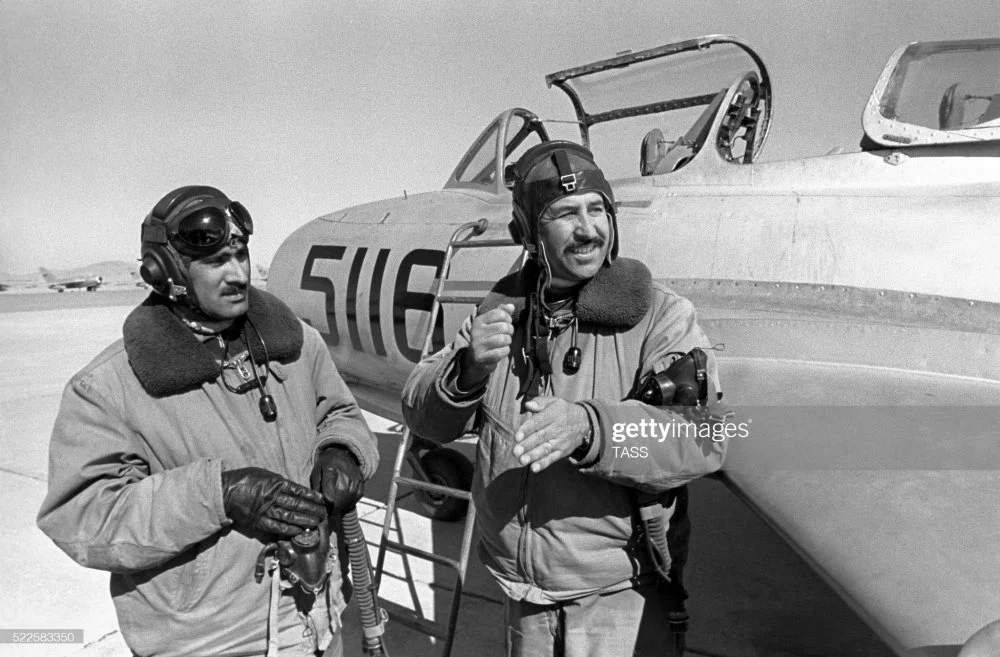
(373,618)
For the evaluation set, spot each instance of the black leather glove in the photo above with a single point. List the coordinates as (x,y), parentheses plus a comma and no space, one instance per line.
(259,499)
(338,477)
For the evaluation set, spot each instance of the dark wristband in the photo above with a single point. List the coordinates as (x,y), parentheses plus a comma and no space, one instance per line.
(580,452)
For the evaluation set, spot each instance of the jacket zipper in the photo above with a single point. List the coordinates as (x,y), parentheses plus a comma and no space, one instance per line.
(524,521)
(524,548)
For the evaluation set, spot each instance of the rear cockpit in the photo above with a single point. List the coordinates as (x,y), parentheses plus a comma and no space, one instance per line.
(936,92)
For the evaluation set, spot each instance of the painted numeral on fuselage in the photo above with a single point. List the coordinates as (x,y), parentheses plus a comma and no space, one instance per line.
(374,314)
(324,285)
(352,298)
(403,299)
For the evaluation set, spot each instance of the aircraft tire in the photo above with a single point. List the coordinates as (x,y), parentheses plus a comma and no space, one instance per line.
(445,467)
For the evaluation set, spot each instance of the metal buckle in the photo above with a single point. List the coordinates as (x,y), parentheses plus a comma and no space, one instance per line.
(240,364)
(568,182)
(176,291)
(243,370)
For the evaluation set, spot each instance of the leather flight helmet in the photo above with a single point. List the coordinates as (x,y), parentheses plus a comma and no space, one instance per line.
(550,171)
(192,221)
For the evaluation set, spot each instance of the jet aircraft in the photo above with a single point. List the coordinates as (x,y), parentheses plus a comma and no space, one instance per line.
(855,294)
(88,282)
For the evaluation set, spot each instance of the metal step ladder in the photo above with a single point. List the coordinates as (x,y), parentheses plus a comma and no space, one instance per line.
(459,292)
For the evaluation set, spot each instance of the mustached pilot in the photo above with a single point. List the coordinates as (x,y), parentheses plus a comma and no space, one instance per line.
(541,371)
(200,457)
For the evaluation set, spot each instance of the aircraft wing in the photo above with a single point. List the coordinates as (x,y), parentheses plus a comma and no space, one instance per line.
(917,565)
(903,524)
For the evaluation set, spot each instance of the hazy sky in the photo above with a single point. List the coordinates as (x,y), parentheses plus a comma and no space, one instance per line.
(298,108)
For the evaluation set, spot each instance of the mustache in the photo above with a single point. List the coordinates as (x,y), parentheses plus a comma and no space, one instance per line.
(597,241)
(237,288)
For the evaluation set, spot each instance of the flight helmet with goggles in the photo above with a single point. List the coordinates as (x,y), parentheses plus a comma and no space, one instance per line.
(550,171)
(192,221)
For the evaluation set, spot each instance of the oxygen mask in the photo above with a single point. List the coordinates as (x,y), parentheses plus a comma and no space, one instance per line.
(303,559)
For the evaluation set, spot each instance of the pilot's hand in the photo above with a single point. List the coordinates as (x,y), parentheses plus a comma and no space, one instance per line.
(489,345)
(554,430)
(338,477)
(258,499)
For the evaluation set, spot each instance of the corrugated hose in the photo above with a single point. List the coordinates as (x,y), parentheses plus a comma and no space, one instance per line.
(373,618)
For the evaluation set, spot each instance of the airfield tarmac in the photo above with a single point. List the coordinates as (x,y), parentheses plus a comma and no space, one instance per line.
(751,595)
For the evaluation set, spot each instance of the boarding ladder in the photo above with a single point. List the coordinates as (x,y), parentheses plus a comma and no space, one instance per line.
(445,292)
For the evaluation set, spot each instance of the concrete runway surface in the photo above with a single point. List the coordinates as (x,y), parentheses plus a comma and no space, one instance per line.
(750,594)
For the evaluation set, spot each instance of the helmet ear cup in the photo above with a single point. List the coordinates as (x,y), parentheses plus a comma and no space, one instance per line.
(151,271)
(162,271)
(515,232)
(520,231)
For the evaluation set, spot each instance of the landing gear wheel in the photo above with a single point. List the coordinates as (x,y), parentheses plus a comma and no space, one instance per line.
(445,467)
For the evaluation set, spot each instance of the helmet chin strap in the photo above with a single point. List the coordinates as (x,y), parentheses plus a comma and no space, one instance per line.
(545,271)
(612,238)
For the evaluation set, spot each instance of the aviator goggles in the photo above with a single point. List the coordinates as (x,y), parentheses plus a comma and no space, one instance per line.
(202,230)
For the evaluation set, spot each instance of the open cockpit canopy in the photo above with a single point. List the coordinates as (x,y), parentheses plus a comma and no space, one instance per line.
(662,103)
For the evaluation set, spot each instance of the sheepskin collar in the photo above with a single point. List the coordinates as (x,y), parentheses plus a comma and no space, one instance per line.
(617,297)
(168,359)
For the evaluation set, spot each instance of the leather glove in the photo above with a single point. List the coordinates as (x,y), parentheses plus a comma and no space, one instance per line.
(258,499)
(338,477)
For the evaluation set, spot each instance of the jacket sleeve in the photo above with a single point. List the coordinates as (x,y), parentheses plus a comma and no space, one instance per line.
(654,448)
(339,419)
(104,508)
(433,406)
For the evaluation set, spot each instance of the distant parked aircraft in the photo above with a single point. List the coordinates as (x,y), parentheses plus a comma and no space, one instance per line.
(91,283)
